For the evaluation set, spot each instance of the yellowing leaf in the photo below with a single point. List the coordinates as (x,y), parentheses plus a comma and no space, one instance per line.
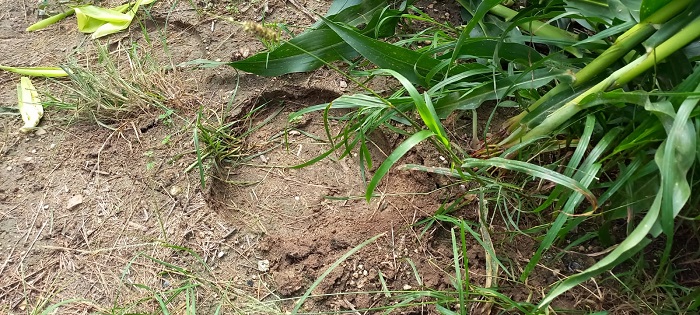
(90,18)
(48,72)
(101,22)
(29,105)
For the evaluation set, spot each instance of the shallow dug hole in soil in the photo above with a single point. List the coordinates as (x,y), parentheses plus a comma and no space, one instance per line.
(310,217)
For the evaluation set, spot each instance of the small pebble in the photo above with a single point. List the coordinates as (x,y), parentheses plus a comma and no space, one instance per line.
(175,190)
(407,287)
(74,202)
(9,168)
(220,254)
(28,159)
(263,158)
(53,145)
(245,52)
(40,132)
(263,265)
(294,133)
(342,84)
(296,198)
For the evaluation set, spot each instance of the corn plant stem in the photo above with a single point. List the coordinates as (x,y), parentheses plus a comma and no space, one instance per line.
(624,43)
(534,27)
(618,78)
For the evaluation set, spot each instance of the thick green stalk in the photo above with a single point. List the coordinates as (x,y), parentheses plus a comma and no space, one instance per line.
(624,43)
(622,76)
(534,27)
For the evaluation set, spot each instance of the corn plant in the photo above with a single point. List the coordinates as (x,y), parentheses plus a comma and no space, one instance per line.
(619,93)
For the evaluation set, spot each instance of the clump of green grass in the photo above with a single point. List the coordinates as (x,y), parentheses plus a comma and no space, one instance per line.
(109,91)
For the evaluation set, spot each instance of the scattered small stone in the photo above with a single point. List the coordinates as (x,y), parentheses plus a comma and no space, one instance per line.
(74,202)
(53,145)
(355,275)
(263,158)
(220,254)
(407,287)
(46,207)
(40,132)
(165,283)
(360,266)
(342,84)
(9,168)
(365,273)
(263,265)
(294,133)
(296,198)
(28,159)
(34,151)
(245,52)
(175,190)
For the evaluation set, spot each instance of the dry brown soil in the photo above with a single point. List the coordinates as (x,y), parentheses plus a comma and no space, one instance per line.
(104,216)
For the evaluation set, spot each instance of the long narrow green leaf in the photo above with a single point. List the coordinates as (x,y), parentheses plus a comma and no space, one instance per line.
(317,46)
(411,64)
(533,170)
(399,152)
(630,246)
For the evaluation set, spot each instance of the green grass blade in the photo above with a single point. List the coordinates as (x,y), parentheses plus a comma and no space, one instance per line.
(299,303)
(399,152)
(536,171)
(459,285)
(631,245)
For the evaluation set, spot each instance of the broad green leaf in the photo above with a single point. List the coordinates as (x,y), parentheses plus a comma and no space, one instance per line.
(536,171)
(303,53)
(675,157)
(317,46)
(490,48)
(399,152)
(411,64)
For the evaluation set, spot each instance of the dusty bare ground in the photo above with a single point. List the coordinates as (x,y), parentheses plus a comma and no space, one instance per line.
(109,218)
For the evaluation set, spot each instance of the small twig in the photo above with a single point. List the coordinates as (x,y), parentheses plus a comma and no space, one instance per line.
(31,246)
(9,256)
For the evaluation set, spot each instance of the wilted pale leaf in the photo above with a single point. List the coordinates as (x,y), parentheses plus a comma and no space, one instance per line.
(29,105)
